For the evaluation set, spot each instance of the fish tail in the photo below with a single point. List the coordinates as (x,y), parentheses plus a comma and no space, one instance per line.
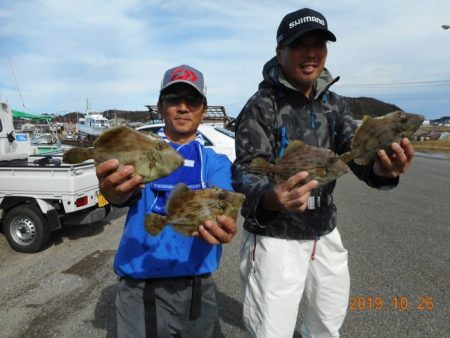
(346,157)
(260,165)
(78,155)
(155,223)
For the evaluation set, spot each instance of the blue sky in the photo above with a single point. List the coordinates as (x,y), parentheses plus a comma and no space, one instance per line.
(56,54)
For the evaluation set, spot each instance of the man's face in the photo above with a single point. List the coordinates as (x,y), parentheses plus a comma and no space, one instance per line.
(182,108)
(303,60)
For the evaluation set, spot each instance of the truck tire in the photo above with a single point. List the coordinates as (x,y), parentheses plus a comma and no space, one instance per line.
(25,228)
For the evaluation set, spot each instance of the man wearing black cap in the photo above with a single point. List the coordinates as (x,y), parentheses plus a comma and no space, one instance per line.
(291,244)
(166,288)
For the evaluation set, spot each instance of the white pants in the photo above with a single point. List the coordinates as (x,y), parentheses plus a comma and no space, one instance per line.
(274,274)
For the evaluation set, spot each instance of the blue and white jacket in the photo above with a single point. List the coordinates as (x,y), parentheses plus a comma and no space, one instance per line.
(171,254)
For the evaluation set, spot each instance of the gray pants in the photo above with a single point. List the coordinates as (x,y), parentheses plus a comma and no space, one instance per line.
(168,309)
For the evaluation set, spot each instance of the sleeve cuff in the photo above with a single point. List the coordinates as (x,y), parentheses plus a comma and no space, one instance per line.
(383,183)
(262,215)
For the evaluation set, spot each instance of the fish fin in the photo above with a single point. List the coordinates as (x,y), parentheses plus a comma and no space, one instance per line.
(184,230)
(177,193)
(358,159)
(346,157)
(149,133)
(366,122)
(362,160)
(260,165)
(155,223)
(367,117)
(78,155)
(294,146)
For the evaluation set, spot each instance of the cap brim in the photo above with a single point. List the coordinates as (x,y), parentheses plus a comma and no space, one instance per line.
(182,81)
(330,36)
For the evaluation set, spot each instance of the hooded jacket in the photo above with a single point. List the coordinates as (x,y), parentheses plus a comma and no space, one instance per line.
(274,116)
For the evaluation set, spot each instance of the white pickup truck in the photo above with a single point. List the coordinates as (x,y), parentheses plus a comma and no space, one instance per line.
(39,194)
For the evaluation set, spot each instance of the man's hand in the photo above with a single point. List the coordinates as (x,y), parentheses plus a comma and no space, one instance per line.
(117,185)
(290,195)
(221,232)
(395,164)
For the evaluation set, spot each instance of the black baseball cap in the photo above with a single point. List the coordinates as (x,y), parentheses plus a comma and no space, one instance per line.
(297,23)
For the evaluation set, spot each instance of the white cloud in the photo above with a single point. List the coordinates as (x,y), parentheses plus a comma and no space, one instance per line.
(115,52)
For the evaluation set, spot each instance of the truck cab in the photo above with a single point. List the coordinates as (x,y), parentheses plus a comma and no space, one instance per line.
(10,150)
(39,193)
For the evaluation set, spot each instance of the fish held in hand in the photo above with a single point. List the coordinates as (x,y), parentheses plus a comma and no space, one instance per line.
(187,209)
(150,155)
(377,133)
(322,164)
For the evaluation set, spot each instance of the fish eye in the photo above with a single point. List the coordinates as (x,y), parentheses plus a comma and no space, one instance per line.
(403,118)
(159,145)
(222,195)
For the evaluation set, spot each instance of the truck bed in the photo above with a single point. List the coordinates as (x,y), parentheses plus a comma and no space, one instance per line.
(39,179)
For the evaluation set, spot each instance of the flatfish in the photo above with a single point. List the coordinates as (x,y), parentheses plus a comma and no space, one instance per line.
(150,155)
(377,133)
(322,164)
(187,209)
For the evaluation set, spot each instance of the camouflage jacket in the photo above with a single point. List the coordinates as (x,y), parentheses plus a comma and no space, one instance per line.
(275,115)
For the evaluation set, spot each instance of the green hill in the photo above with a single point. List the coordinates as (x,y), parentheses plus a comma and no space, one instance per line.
(360,106)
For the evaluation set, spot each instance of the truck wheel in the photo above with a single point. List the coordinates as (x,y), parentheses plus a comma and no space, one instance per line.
(25,229)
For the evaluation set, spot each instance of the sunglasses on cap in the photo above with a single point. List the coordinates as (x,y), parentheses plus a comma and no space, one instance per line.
(193,101)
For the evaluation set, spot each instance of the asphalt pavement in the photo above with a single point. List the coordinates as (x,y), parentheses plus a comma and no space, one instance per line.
(398,243)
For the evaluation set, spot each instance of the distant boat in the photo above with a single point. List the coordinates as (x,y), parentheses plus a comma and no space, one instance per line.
(93,124)
(79,142)
(44,139)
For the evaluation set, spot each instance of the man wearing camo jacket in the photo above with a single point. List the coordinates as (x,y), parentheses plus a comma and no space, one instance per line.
(291,245)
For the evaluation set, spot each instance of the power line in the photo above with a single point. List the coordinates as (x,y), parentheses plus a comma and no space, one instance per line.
(415,98)
(435,83)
